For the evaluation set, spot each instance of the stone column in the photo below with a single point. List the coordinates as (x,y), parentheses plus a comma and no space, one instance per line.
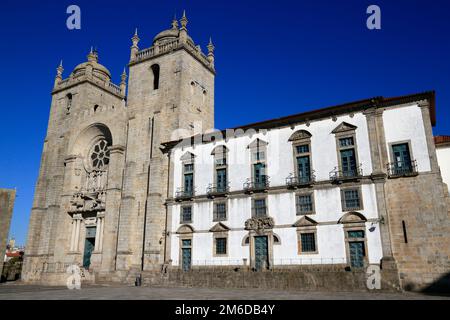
(109,230)
(77,232)
(72,235)
(378,154)
(97,234)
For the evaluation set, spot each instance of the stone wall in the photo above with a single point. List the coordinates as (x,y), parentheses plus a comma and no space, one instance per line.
(420,229)
(7,198)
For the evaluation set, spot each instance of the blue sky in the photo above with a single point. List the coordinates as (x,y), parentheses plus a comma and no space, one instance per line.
(273,58)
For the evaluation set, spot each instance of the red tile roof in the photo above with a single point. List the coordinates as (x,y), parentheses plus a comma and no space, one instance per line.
(441,140)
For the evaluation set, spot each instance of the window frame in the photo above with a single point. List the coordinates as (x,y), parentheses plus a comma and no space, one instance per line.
(297,203)
(220,235)
(182,221)
(266,206)
(307,230)
(215,212)
(360,197)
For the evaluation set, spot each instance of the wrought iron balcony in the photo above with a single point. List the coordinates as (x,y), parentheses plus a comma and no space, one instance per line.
(257,185)
(217,190)
(293,182)
(339,175)
(402,169)
(184,194)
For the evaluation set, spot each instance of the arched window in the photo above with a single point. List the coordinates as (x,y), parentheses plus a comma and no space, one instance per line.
(68,102)
(155,69)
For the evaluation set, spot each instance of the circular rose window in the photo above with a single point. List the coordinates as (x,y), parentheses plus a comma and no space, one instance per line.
(100,155)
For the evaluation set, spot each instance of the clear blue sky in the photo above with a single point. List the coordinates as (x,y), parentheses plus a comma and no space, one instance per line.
(273,58)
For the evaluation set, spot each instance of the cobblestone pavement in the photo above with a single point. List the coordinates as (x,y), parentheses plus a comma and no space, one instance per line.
(24,292)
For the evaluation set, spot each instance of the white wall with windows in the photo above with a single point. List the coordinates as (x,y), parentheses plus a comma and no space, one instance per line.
(327,204)
(405,125)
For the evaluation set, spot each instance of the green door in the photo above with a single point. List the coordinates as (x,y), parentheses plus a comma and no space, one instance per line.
(304,169)
(186,259)
(402,158)
(357,254)
(89,245)
(261,253)
(186,254)
(348,162)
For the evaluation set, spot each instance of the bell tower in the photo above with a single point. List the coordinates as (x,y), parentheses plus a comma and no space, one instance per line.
(170,92)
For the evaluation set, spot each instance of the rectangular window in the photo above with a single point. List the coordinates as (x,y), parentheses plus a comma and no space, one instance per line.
(308,242)
(221,245)
(402,159)
(259,207)
(186,214)
(346,142)
(304,204)
(220,211)
(351,199)
(302,148)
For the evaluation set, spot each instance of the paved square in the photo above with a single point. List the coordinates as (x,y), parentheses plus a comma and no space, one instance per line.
(14,291)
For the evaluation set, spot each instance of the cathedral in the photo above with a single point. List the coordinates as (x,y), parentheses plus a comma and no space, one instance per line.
(128,188)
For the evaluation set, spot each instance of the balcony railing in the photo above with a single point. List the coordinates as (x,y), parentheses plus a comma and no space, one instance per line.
(402,169)
(255,185)
(184,194)
(216,190)
(339,175)
(293,181)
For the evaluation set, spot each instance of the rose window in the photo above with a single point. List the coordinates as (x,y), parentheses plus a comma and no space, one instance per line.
(100,155)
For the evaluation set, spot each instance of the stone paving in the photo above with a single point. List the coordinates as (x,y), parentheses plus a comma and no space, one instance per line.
(26,292)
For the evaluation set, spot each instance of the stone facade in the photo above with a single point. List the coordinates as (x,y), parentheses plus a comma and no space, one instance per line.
(121,162)
(99,198)
(7,198)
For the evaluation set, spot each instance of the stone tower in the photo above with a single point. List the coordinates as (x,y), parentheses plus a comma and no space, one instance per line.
(103,180)
(171,87)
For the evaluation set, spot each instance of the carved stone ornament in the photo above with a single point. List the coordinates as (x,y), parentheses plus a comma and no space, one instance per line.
(87,202)
(259,224)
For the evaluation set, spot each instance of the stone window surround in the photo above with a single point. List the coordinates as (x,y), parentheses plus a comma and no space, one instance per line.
(259,197)
(220,155)
(391,153)
(305,193)
(302,230)
(221,235)
(214,210)
(360,195)
(342,135)
(188,158)
(258,145)
(299,142)
(181,213)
